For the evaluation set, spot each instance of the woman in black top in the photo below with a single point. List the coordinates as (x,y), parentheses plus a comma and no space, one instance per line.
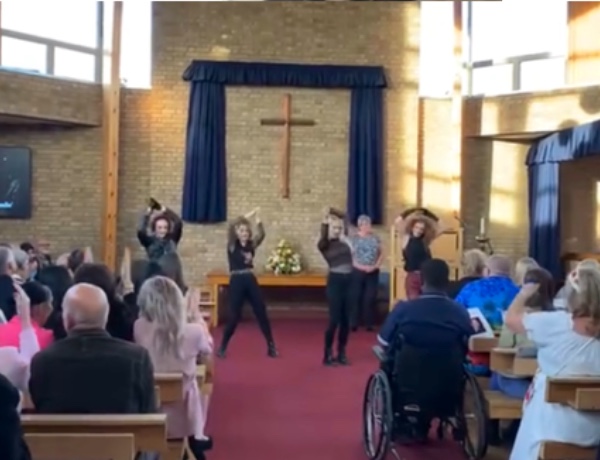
(418,228)
(241,247)
(338,254)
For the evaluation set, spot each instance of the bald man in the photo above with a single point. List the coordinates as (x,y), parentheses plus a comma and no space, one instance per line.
(90,372)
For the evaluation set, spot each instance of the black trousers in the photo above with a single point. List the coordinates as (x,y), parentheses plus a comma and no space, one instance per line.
(364,294)
(244,287)
(338,298)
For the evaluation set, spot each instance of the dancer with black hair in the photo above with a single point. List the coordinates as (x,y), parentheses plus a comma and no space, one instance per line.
(160,230)
(336,250)
(243,285)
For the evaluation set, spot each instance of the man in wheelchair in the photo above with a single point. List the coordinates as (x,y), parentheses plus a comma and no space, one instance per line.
(423,351)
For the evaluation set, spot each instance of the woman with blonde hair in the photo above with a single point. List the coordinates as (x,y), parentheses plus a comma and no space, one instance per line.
(568,344)
(523,265)
(418,227)
(560,300)
(473,266)
(174,345)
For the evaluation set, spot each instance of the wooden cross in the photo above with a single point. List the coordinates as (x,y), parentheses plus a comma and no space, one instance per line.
(287,122)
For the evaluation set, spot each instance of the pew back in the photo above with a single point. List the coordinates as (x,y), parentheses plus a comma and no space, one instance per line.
(81,446)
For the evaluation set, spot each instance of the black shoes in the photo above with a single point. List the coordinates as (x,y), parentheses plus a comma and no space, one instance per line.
(199,446)
(272,350)
(328,358)
(222,351)
(342,358)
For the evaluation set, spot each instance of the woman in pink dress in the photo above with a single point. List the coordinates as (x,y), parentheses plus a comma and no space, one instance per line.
(174,345)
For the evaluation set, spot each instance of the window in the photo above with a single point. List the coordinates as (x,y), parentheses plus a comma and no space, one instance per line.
(23,55)
(136,44)
(437,66)
(73,64)
(66,21)
(543,74)
(496,79)
(516,28)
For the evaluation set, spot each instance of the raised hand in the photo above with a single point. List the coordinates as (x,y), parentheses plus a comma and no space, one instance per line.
(528,289)
(126,270)
(22,303)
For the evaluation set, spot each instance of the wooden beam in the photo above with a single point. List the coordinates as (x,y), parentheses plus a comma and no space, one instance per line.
(583,64)
(0,33)
(111,106)
(457,109)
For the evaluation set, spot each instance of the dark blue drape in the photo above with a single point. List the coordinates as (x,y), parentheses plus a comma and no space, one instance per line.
(544,203)
(205,176)
(205,180)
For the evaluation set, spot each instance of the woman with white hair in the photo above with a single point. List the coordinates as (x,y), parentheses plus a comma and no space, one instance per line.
(174,345)
(560,300)
(523,265)
(568,344)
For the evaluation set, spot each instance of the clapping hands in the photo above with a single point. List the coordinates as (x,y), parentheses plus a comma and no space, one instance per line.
(22,303)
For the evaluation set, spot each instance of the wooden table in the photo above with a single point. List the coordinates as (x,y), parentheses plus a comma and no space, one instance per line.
(219,279)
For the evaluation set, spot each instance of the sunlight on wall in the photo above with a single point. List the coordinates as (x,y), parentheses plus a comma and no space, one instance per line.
(436,70)
(506,172)
(597,235)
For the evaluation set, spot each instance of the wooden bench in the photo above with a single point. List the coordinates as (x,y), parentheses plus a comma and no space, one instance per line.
(501,407)
(479,344)
(505,361)
(580,393)
(149,430)
(81,446)
(562,451)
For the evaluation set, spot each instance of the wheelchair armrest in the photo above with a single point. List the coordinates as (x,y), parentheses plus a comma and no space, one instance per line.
(380,353)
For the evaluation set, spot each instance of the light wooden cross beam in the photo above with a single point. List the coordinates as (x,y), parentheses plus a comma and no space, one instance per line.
(287,122)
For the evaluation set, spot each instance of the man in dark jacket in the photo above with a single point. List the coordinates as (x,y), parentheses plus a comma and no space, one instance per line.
(12,445)
(90,372)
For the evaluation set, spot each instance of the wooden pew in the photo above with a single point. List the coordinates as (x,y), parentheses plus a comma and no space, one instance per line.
(478,344)
(501,407)
(562,451)
(149,430)
(505,361)
(580,393)
(81,446)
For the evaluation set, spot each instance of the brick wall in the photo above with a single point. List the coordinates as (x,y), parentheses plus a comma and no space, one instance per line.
(153,139)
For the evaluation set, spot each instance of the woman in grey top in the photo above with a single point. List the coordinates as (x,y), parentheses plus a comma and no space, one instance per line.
(367,257)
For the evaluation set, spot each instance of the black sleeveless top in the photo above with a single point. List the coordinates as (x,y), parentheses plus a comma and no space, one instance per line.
(415,253)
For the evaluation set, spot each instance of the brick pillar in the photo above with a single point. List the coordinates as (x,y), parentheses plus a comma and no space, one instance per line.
(583,64)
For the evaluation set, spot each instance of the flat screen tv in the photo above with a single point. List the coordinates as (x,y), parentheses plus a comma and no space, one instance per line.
(15,182)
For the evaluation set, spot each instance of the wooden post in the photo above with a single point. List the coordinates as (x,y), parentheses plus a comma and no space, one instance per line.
(583,64)
(0,33)
(111,105)
(455,162)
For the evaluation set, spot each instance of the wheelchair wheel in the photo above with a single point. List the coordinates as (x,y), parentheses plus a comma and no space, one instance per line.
(378,416)
(472,420)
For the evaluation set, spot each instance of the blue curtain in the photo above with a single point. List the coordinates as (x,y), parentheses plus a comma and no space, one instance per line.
(543,161)
(205,179)
(365,167)
(544,216)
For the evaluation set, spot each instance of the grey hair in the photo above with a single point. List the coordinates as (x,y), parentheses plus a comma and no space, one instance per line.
(7,259)
(363,219)
(21,258)
(86,319)
(498,265)
(522,266)
(162,303)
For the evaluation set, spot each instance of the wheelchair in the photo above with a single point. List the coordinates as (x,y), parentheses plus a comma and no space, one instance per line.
(412,388)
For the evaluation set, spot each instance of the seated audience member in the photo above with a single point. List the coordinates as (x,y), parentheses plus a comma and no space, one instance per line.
(174,346)
(493,293)
(90,372)
(15,358)
(568,345)
(7,267)
(58,280)
(21,270)
(560,300)
(121,316)
(523,265)
(12,444)
(473,264)
(40,300)
(431,320)
(540,301)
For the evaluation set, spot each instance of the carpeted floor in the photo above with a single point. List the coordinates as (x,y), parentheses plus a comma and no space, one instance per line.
(294,408)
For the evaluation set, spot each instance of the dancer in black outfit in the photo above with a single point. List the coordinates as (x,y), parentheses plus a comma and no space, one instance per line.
(338,255)
(241,247)
(159,230)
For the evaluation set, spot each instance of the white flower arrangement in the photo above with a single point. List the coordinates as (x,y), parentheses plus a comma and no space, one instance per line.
(284,260)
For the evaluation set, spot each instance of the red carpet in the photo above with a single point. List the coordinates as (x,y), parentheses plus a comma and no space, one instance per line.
(294,408)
